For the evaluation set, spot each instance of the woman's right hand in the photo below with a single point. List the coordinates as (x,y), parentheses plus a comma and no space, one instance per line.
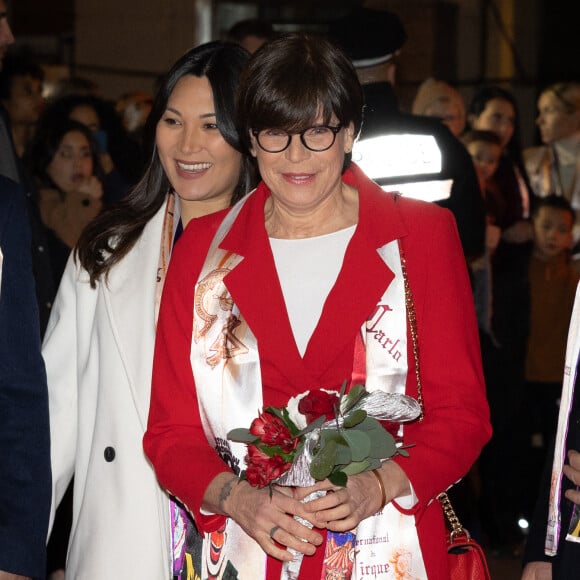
(91,188)
(267,517)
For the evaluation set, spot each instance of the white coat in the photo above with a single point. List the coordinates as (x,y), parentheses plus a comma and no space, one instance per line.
(99,351)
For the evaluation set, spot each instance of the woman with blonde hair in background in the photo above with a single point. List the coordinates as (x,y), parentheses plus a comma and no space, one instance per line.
(554,166)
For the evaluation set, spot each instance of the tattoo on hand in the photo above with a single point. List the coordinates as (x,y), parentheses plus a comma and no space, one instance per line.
(225,492)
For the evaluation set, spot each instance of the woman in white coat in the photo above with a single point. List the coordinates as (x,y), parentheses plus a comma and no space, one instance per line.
(99,343)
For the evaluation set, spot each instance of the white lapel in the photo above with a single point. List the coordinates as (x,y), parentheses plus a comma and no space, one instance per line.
(129,298)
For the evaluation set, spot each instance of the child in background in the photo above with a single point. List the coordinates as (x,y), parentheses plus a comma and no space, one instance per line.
(553,281)
(485,150)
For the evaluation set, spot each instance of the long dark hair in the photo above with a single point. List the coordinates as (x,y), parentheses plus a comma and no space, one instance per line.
(124,150)
(46,142)
(112,234)
(505,177)
(477,106)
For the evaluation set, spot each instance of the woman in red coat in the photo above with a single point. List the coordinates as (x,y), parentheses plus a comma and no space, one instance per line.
(302,287)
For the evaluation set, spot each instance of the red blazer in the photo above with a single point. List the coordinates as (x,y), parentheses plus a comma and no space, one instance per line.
(456,423)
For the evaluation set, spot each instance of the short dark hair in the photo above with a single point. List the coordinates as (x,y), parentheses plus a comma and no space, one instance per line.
(17,66)
(474,135)
(554,201)
(294,78)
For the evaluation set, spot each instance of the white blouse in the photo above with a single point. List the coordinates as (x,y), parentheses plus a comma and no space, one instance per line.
(307,269)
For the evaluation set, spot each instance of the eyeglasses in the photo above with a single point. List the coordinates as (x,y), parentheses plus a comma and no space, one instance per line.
(317,138)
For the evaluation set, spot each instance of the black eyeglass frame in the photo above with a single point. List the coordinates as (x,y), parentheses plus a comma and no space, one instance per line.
(335,131)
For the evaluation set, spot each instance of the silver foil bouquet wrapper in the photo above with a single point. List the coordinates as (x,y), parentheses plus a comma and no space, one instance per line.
(392,407)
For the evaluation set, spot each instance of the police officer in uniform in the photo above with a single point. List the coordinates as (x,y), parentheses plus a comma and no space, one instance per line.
(415,155)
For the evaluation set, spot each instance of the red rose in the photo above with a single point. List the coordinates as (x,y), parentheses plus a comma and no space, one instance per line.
(272,431)
(261,470)
(318,403)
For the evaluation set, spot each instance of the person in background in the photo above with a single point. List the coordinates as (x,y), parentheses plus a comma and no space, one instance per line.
(121,157)
(11,166)
(553,545)
(24,429)
(495,109)
(134,108)
(251,33)
(485,150)
(99,344)
(436,98)
(554,167)
(294,274)
(64,162)
(504,350)
(74,85)
(21,94)
(415,155)
(553,281)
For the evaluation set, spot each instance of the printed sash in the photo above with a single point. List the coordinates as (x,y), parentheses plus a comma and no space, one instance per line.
(570,370)
(226,367)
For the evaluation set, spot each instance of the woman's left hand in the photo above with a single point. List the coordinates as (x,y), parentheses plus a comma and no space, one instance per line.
(572,472)
(343,508)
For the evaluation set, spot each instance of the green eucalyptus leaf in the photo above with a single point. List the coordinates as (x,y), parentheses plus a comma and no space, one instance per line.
(274,411)
(359,443)
(368,424)
(382,444)
(353,396)
(356,467)
(289,423)
(343,453)
(374,463)
(338,478)
(324,461)
(272,450)
(332,435)
(316,424)
(354,418)
(242,435)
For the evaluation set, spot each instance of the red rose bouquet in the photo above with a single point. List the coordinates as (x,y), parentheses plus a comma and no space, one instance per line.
(323,434)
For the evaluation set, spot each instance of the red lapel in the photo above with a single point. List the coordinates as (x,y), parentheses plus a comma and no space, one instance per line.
(364,276)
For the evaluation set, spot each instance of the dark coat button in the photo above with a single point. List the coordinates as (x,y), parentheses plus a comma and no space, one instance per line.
(109,454)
